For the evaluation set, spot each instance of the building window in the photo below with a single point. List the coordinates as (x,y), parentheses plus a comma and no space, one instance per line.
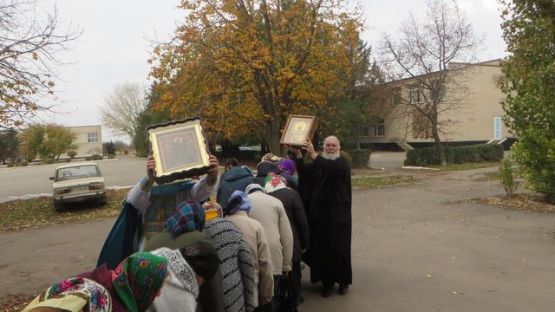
(378,130)
(414,96)
(92,137)
(396,97)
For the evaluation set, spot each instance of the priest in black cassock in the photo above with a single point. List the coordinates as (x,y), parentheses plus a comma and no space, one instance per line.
(326,183)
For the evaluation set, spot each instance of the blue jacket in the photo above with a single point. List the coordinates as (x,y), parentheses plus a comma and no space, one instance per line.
(235,179)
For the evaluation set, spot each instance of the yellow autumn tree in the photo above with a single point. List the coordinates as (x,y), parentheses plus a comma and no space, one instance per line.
(245,65)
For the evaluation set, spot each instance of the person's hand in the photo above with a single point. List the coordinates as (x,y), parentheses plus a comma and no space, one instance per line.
(213,170)
(295,151)
(309,148)
(151,169)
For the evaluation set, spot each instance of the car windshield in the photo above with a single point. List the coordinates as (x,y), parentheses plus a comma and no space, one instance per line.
(77,172)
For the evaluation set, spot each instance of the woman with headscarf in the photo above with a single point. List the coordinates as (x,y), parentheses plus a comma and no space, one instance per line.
(237,263)
(188,268)
(236,211)
(181,230)
(132,287)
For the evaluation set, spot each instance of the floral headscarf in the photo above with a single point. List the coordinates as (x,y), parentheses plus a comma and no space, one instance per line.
(212,210)
(274,183)
(97,297)
(237,201)
(189,216)
(138,279)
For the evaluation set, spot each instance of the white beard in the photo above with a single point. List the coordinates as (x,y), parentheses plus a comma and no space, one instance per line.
(331,156)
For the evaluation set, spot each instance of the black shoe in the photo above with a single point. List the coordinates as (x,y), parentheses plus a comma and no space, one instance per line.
(343,288)
(326,291)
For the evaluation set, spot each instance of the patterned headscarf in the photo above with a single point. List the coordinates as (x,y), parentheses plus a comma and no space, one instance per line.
(138,279)
(212,210)
(237,201)
(189,216)
(274,183)
(96,295)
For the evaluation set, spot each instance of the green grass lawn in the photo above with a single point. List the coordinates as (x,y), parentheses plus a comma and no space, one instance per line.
(367,182)
(19,214)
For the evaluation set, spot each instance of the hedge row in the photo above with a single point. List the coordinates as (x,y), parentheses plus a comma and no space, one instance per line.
(456,155)
(359,157)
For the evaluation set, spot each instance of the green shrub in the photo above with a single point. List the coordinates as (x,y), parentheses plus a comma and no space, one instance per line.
(23,163)
(455,155)
(111,156)
(72,154)
(347,156)
(67,159)
(535,155)
(89,158)
(360,158)
(11,164)
(48,161)
(96,157)
(507,177)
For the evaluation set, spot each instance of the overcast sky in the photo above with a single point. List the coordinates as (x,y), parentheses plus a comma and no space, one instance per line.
(117,40)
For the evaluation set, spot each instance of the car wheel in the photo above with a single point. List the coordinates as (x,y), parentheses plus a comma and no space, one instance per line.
(58,206)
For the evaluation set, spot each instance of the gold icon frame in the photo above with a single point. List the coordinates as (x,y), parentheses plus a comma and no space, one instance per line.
(179,149)
(298,129)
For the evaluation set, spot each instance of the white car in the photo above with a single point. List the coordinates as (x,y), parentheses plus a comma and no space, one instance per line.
(76,183)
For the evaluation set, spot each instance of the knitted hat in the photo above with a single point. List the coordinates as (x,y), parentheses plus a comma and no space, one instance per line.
(202,257)
(212,210)
(287,166)
(265,167)
(237,201)
(254,187)
(189,216)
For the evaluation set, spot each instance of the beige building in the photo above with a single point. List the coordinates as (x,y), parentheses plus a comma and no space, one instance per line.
(88,140)
(471,110)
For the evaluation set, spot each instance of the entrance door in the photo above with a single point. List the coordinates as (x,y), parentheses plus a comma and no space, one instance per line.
(497,125)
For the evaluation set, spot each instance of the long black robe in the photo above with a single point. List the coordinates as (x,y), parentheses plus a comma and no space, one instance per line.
(326,189)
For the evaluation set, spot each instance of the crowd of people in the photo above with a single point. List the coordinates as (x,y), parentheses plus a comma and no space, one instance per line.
(228,242)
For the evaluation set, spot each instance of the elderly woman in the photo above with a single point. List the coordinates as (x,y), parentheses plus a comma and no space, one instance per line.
(188,268)
(132,287)
(237,263)
(183,229)
(236,211)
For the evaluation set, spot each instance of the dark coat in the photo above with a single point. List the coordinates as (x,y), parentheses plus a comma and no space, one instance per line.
(297,218)
(327,184)
(235,179)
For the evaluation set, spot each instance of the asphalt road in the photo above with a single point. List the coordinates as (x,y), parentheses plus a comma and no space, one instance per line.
(414,248)
(34,179)
(122,171)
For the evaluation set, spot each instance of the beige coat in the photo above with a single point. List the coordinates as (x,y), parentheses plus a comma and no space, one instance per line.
(269,211)
(254,234)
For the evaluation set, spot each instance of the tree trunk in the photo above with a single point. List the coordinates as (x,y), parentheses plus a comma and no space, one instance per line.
(272,136)
(439,147)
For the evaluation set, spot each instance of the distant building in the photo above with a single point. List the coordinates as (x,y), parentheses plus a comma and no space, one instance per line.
(88,140)
(478,119)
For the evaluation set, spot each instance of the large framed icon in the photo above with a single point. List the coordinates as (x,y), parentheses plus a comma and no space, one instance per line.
(298,129)
(179,149)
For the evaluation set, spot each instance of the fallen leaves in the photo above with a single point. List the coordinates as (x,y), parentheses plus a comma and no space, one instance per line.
(523,202)
(21,214)
(16,302)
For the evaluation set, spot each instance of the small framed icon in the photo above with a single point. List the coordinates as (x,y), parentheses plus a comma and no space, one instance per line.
(179,149)
(298,129)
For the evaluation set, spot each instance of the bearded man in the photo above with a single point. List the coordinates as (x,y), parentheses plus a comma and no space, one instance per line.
(327,179)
